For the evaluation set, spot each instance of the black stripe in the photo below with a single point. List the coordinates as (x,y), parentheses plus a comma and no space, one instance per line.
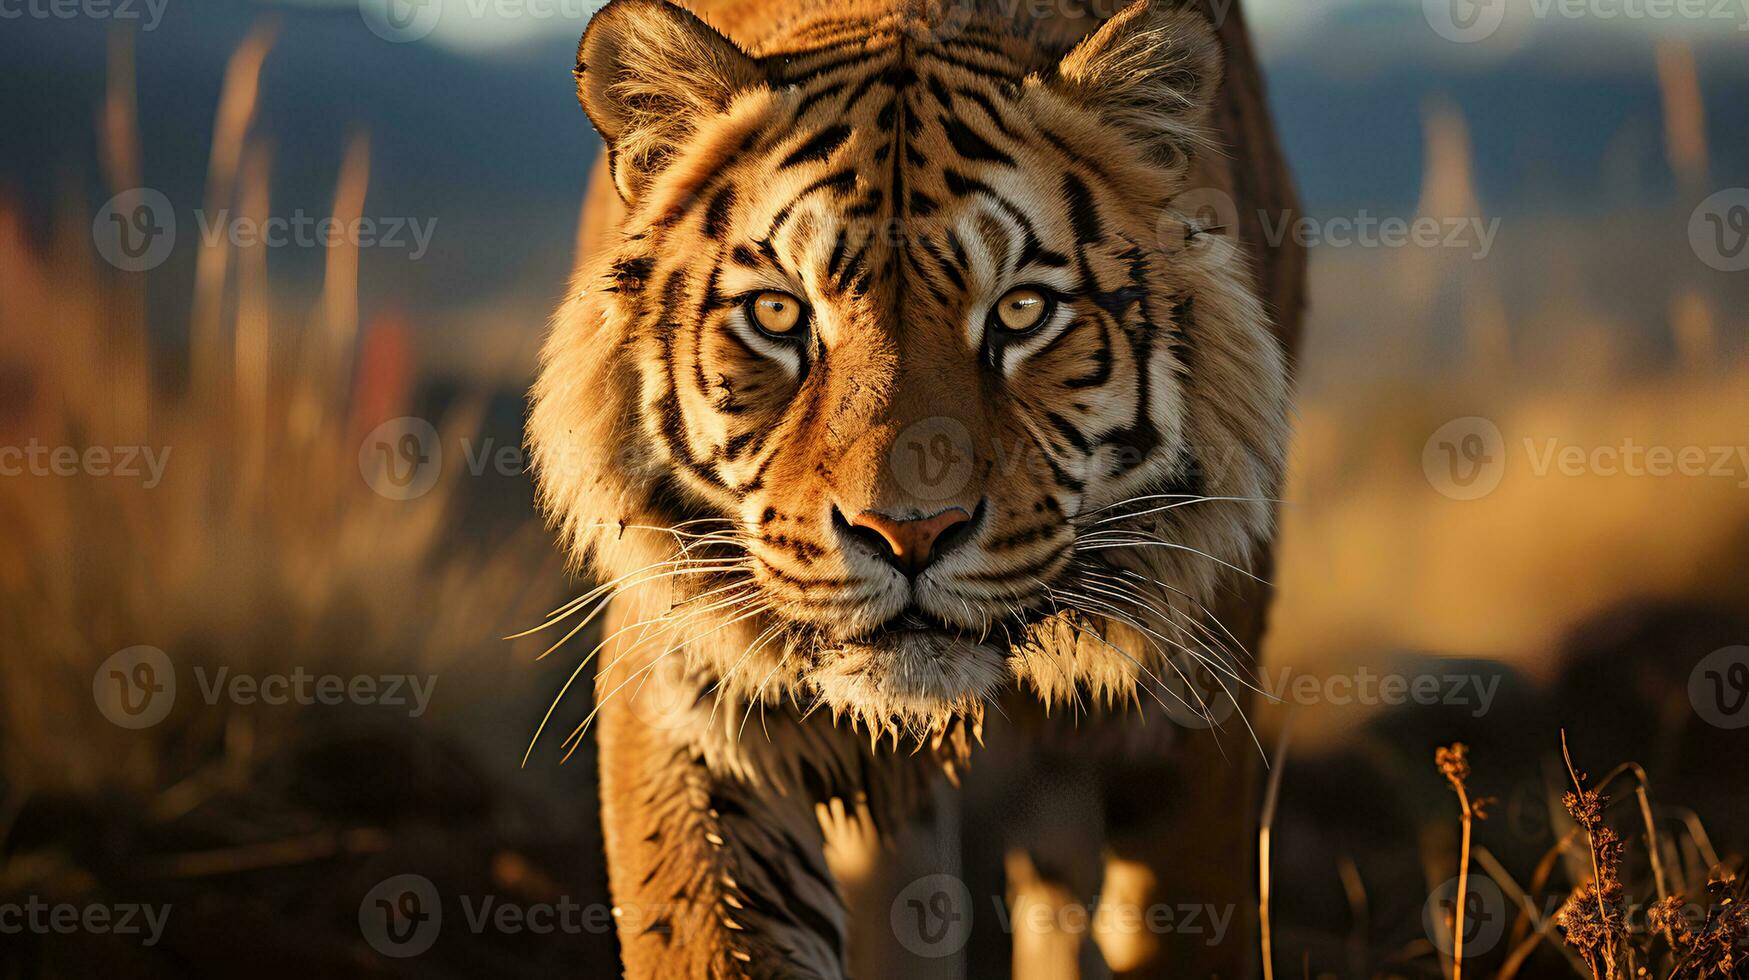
(966,40)
(842,180)
(823,92)
(1082,213)
(969,144)
(1065,148)
(1101,357)
(862,88)
(630,275)
(819,147)
(824,67)
(800,911)
(939,90)
(867,206)
(1067,430)
(1030,570)
(1062,476)
(988,71)
(700,384)
(885,116)
(1141,434)
(853,268)
(983,102)
(672,423)
(959,250)
(716,214)
(1031,250)
(838,246)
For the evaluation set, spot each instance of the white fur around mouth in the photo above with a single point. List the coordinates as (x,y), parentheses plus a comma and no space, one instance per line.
(912,679)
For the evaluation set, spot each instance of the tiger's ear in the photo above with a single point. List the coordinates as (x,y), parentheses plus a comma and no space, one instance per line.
(647,73)
(1153,71)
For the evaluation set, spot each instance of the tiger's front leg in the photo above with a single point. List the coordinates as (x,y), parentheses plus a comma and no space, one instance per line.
(710,878)
(713,874)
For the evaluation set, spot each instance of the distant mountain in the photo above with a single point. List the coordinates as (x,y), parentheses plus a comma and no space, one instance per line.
(497,152)
(1565,117)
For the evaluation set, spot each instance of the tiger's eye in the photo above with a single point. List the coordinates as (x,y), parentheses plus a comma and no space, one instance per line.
(777,313)
(1021,310)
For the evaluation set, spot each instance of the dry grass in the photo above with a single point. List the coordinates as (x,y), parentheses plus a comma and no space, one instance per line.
(264,547)
(264,550)
(1556,340)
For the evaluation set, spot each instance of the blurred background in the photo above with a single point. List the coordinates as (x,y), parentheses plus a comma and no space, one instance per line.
(1521,469)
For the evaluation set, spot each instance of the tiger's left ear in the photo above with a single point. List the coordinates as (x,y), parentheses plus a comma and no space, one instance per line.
(648,73)
(1153,71)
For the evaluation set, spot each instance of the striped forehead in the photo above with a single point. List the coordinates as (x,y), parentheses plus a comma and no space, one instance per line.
(895,153)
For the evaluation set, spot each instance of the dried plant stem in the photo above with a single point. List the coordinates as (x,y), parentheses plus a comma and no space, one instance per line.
(1590,838)
(1457,947)
(1454,765)
(1266,824)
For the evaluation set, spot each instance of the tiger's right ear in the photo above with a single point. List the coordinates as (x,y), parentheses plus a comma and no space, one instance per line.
(648,72)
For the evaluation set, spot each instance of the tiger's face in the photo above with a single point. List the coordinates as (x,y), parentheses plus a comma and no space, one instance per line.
(903,374)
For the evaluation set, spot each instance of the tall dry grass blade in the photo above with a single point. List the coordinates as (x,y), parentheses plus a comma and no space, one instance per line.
(1692,324)
(1265,830)
(340,275)
(118,147)
(118,131)
(252,367)
(1685,143)
(1693,329)
(237,102)
(1448,191)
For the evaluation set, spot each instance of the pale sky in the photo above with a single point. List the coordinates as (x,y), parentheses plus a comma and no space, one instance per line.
(488,27)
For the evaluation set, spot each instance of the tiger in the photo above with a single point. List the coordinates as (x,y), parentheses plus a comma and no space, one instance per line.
(906,374)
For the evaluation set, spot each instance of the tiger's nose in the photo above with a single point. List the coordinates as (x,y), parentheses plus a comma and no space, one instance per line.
(909,544)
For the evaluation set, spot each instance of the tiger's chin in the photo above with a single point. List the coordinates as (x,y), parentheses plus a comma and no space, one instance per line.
(909,681)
